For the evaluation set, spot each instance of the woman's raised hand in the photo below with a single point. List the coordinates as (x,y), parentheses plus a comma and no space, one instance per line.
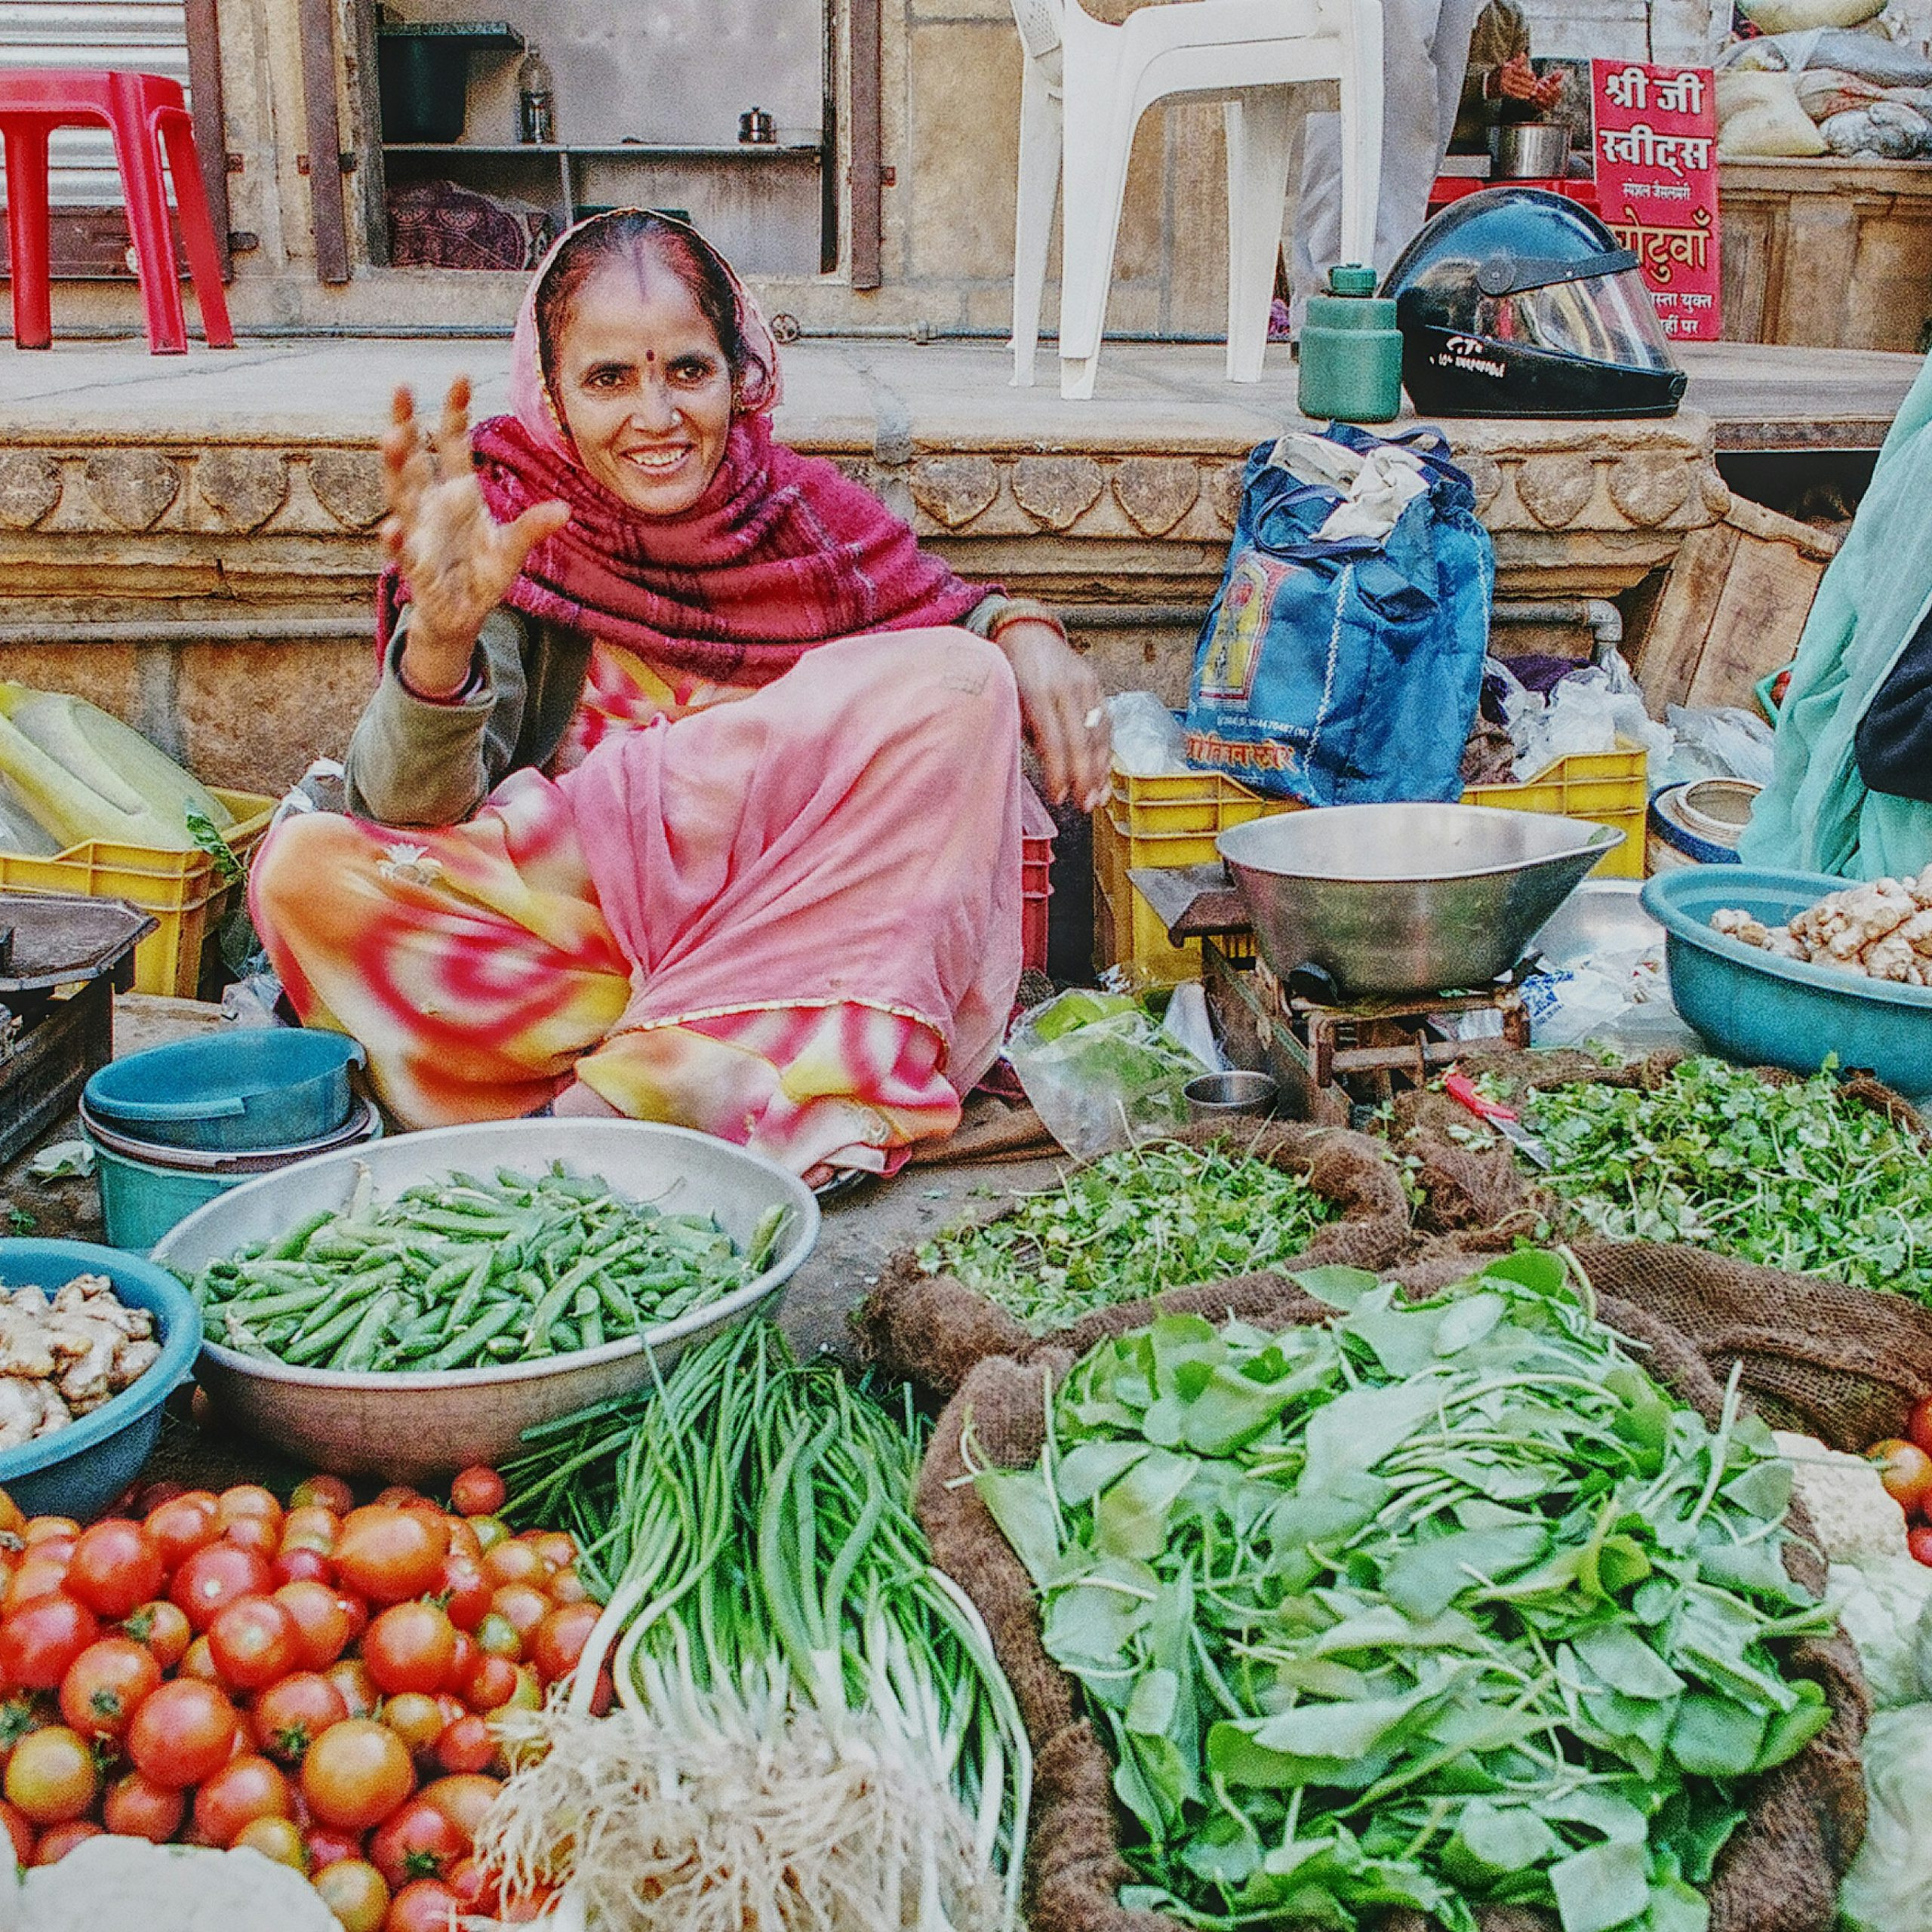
(457,559)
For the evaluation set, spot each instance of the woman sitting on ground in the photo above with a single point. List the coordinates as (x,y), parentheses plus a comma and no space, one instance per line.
(691,790)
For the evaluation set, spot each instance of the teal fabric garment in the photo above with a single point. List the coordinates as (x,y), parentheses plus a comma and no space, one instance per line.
(1817,814)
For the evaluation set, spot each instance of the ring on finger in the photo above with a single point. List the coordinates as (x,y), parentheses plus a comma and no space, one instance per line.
(1092,721)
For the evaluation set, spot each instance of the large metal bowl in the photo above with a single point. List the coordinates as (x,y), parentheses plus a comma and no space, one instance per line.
(409,1428)
(1390,900)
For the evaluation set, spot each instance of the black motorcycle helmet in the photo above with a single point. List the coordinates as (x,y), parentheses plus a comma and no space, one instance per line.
(1517,302)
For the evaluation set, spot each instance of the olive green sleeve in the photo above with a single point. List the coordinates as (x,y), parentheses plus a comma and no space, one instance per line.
(412,762)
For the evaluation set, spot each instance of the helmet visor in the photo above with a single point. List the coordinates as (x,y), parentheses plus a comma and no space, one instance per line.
(1607,318)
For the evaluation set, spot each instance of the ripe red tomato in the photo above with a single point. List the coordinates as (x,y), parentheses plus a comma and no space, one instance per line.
(277,1838)
(1919,1540)
(51,1777)
(214,1576)
(513,1563)
(416,1718)
(475,1886)
(417,1842)
(478,1492)
(463,1799)
(14,1818)
(116,1566)
(465,1590)
(353,1890)
(1905,1470)
(289,1716)
(323,1624)
(254,1640)
(199,1663)
(137,1807)
(58,1840)
(164,1628)
(463,1540)
(389,1554)
(306,1526)
(250,1500)
(40,1639)
(356,1773)
(182,1524)
(427,1906)
(567,1586)
(244,1789)
(410,1646)
(491,1684)
(467,1746)
(183,1733)
(322,1492)
(253,1532)
(558,1548)
(105,1684)
(350,1675)
(464,1661)
(303,1566)
(557,1642)
(34,1576)
(325,1845)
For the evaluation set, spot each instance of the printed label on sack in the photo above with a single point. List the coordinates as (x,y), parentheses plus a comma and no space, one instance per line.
(1233,651)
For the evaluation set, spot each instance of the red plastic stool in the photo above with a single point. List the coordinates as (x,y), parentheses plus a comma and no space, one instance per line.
(145,114)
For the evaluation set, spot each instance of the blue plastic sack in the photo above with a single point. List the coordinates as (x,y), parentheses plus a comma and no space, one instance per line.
(1346,672)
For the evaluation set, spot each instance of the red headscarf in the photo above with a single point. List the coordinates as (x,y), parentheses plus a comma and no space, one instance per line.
(781,552)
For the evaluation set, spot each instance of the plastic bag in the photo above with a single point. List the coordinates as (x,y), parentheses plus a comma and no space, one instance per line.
(1100,1071)
(1720,741)
(1870,57)
(1887,131)
(1147,736)
(1589,711)
(1759,115)
(1882,1604)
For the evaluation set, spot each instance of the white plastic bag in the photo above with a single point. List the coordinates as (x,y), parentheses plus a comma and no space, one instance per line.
(1100,1071)
(1589,711)
(1147,736)
(1716,742)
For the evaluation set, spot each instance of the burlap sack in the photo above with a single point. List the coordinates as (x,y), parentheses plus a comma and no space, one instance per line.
(1779,1874)
(929,1329)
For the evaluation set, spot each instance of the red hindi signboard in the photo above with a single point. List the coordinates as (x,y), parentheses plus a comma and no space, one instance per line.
(1657,175)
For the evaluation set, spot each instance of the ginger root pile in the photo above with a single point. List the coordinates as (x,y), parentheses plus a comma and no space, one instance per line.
(60,1358)
(1882,929)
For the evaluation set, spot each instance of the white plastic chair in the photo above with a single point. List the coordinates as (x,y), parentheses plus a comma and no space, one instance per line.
(1087,83)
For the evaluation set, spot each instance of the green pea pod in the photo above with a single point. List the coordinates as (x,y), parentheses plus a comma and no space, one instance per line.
(296,1239)
(465,1347)
(359,1351)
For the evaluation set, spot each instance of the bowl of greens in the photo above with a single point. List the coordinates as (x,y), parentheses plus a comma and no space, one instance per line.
(414,1306)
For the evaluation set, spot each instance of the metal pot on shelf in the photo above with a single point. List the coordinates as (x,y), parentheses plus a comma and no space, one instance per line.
(1529,151)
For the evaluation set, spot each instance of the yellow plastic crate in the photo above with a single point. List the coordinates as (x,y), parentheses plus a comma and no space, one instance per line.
(1127,931)
(1606,788)
(182,890)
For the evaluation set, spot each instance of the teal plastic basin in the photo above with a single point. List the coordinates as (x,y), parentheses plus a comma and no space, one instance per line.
(79,1470)
(1753,1007)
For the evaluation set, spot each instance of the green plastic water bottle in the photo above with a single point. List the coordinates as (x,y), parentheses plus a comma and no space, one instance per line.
(1351,351)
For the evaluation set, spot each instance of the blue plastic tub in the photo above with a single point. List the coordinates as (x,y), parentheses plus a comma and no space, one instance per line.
(250,1091)
(79,1470)
(1754,1006)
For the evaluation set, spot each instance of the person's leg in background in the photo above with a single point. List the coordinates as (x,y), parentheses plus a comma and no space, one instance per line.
(1425,49)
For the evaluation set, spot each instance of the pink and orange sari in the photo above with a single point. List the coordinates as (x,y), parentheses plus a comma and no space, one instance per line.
(769,885)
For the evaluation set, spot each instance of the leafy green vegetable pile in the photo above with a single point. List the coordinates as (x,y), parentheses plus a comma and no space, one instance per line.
(467,1273)
(1130,1225)
(1444,1603)
(1797,1177)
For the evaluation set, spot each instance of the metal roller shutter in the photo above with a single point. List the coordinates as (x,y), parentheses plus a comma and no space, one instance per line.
(149,36)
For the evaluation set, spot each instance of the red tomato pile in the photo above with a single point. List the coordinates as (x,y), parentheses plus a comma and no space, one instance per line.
(1905,1467)
(315,1682)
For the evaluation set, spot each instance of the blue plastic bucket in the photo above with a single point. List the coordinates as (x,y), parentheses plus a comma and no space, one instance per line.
(251,1091)
(146,1190)
(79,1470)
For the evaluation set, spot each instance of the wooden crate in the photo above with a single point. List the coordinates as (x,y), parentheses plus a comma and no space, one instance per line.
(1731,608)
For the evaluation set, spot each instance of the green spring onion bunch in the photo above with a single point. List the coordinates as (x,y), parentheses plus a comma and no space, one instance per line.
(1441,1604)
(791,1670)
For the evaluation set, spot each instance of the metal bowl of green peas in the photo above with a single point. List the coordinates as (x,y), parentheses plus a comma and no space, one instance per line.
(410,1307)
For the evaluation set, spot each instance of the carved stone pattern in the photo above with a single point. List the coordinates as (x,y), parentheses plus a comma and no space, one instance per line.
(1485,476)
(348,484)
(29,488)
(1553,489)
(132,487)
(1156,492)
(243,487)
(954,490)
(1650,487)
(1224,493)
(1056,491)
